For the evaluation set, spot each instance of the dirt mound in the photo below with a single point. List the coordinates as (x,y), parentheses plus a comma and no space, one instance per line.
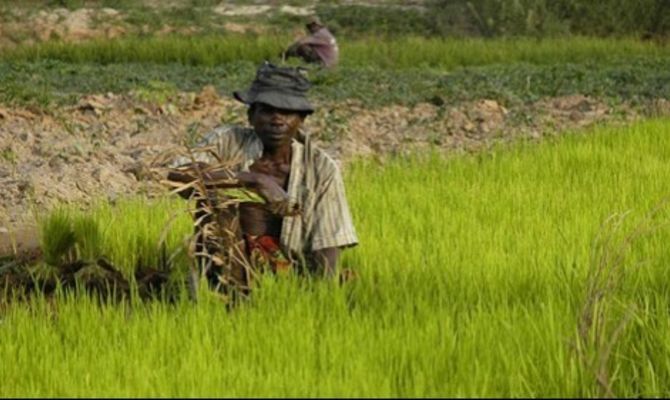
(106,145)
(575,110)
(351,129)
(100,147)
(25,24)
(61,23)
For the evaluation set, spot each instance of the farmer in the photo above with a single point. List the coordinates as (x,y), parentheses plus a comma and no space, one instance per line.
(318,47)
(276,158)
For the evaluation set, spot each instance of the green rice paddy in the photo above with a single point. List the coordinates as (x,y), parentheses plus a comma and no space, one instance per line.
(395,53)
(474,279)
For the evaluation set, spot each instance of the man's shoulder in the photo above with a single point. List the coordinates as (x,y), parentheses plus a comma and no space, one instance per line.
(232,142)
(323,162)
(230,133)
(325,32)
(233,138)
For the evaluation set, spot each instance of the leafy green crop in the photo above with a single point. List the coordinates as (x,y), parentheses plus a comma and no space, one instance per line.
(48,83)
(473,276)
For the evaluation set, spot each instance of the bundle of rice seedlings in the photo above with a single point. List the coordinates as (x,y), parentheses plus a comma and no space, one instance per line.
(217,246)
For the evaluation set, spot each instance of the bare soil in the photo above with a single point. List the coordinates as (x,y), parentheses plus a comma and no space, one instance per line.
(109,146)
(31,24)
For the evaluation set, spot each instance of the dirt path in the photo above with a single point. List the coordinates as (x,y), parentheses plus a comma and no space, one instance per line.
(27,24)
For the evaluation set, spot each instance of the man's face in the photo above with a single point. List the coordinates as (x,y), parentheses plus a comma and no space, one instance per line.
(274,126)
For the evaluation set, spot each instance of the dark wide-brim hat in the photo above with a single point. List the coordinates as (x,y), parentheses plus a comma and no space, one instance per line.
(280,87)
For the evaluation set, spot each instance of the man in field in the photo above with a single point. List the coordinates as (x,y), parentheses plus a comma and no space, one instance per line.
(319,47)
(275,158)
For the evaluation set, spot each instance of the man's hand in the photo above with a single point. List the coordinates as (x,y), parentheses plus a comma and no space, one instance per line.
(268,178)
(264,185)
(184,177)
(267,186)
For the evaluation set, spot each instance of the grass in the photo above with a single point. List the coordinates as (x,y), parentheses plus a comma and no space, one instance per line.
(473,275)
(393,53)
(208,51)
(132,234)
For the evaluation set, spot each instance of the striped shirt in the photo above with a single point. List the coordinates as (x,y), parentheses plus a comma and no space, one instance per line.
(315,186)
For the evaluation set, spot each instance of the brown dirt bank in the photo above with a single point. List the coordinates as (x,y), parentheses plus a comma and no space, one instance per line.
(33,23)
(106,146)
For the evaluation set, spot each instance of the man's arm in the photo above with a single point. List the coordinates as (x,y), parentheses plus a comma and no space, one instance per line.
(188,173)
(261,183)
(333,229)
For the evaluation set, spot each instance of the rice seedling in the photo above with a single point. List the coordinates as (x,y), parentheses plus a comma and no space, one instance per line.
(474,277)
(397,53)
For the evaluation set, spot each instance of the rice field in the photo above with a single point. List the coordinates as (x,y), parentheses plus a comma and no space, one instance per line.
(395,53)
(533,270)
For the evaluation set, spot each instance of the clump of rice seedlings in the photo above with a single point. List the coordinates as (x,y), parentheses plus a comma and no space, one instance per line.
(57,237)
(111,248)
(217,246)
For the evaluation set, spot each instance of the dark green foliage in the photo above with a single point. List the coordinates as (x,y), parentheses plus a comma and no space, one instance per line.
(58,238)
(357,20)
(543,18)
(630,79)
(490,18)
(496,18)
(614,17)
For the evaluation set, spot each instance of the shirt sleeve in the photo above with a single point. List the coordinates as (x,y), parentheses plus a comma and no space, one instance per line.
(333,226)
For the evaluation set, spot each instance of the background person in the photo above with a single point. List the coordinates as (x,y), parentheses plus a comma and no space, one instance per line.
(319,46)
